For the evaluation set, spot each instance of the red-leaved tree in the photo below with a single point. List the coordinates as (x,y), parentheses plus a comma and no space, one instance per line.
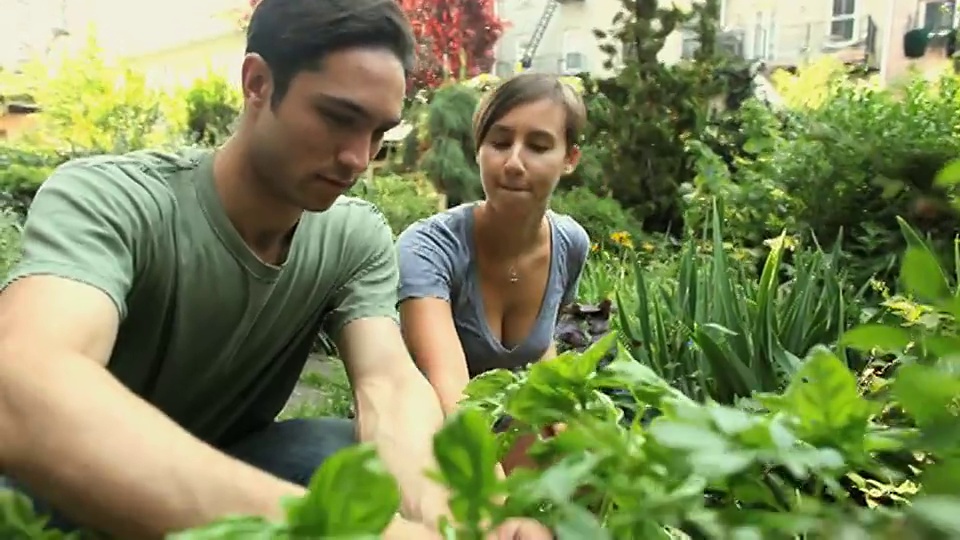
(454,38)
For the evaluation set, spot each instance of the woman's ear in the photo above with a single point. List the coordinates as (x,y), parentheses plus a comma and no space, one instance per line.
(572,159)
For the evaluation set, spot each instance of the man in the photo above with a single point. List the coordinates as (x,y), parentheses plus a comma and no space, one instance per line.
(165,304)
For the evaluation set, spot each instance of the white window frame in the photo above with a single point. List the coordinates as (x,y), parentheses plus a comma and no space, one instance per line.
(922,13)
(574,43)
(837,41)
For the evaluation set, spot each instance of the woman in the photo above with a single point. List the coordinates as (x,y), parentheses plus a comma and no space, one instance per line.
(481,284)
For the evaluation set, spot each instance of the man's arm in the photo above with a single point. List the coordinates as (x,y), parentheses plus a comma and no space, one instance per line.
(397,410)
(396,407)
(72,433)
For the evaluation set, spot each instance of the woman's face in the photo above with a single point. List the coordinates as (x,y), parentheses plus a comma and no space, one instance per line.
(524,154)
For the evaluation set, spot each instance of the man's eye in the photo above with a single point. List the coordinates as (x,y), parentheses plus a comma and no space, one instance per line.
(339,119)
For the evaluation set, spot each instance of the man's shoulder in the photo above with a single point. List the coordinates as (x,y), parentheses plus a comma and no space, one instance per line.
(141,173)
(350,216)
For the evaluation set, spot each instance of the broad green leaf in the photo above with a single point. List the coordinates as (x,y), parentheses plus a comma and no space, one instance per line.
(561,480)
(689,437)
(940,512)
(824,398)
(949,175)
(466,454)
(922,275)
(351,494)
(578,523)
(489,384)
(868,337)
(927,394)
(942,478)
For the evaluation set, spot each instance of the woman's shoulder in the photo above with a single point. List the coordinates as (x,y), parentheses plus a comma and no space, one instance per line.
(572,235)
(448,228)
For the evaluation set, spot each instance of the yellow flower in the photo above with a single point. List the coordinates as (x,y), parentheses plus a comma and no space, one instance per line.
(594,247)
(648,247)
(622,238)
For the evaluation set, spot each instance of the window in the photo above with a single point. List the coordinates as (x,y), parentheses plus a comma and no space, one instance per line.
(938,15)
(842,20)
(574,52)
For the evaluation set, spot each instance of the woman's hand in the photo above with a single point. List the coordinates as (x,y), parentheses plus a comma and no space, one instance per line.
(521,529)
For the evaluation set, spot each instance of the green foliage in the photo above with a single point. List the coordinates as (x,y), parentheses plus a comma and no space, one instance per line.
(9,241)
(125,115)
(212,106)
(403,199)
(792,464)
(655,108)
(598,215)
(848,156)
(23,168)
(449,160)
(716,332)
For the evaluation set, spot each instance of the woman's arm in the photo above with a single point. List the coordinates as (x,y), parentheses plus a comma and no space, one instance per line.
(431,338)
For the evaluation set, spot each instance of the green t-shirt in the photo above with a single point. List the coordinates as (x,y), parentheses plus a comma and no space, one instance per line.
(209,334)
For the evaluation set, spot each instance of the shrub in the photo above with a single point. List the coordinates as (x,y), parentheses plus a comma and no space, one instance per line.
(600,216)
(212,106)
(403,199)
(9,241)
(88,105)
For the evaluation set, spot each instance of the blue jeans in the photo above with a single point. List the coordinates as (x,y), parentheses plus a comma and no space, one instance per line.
(291,449)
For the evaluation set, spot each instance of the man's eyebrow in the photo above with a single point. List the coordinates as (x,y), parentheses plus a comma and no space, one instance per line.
(355,108)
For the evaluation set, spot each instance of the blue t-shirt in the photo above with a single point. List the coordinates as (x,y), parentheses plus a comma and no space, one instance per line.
(437,259)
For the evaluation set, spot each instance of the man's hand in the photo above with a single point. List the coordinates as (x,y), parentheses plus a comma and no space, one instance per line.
(521,529)
(397,410)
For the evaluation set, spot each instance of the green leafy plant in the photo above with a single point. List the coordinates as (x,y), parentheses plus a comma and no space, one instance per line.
(719,333)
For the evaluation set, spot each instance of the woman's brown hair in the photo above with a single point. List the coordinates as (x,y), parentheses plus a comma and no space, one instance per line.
(528,88)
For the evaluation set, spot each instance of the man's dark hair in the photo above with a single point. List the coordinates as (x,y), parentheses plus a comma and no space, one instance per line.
(296,35)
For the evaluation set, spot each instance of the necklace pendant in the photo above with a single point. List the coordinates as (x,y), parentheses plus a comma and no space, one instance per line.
(514,278)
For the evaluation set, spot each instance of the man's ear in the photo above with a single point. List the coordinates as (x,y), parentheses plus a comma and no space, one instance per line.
(256,80)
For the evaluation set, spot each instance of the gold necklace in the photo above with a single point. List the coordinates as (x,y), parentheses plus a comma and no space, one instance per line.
(514,277)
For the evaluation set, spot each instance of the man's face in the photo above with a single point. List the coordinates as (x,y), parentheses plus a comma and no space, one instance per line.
(313,145)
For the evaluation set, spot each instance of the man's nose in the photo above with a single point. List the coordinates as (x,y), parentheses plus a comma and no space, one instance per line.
(355,154)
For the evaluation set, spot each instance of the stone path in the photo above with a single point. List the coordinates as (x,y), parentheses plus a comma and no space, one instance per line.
(304,393)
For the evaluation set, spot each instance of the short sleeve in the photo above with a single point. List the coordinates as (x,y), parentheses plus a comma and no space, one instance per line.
(371,264)
(425,252)
(87,223)
(578,246)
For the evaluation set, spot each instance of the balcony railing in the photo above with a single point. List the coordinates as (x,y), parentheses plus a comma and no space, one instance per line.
(851,40)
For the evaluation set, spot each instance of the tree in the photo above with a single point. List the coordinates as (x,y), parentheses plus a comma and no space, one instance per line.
(458,38)
(455,38)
